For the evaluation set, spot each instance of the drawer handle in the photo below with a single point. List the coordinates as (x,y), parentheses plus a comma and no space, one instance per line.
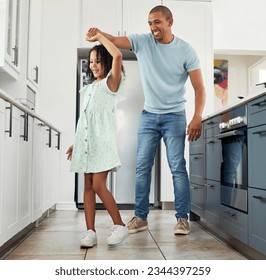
(211,123)
(197,157)
(259,197)
(210,186)
(261,132)
(260,104)
(210,142)
(195,188)
(230,214)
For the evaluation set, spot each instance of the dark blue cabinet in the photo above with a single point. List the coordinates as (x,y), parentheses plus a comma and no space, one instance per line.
(196,171)
(257,173)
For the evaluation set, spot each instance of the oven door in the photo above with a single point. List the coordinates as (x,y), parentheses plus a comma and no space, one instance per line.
(234,169)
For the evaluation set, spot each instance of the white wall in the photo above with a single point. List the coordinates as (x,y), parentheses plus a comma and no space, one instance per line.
(56,102)
(238,79)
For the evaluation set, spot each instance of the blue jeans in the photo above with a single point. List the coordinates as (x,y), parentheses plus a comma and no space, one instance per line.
(172,128)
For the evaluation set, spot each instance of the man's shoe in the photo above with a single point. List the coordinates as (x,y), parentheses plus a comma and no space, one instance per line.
(182,226)
(89,239)
(117,235)
(137,224)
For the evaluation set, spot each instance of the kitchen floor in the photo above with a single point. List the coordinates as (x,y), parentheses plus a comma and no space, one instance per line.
(57,238)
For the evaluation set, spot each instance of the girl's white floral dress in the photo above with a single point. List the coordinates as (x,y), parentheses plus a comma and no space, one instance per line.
(95,145)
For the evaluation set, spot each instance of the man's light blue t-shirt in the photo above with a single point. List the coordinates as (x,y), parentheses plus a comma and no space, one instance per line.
(164,71)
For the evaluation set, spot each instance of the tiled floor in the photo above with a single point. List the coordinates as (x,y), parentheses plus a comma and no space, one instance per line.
(57,238)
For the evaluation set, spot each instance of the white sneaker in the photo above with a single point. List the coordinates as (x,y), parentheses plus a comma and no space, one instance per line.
(89,239)
(117,235)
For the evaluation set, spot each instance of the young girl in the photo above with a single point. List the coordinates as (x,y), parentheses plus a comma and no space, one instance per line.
(94,151)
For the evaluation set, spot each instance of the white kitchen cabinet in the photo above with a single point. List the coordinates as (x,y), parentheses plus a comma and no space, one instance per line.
(2,132)
(16,163)
(117,17)
(37,168)
(10,36)
(50,176)
(11,171)
(34,41)
(25,170)
(46,153)
(239,27)
(17,156)
(192,23)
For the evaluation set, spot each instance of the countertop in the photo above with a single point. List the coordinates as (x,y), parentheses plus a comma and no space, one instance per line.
(13,101)
(243,101)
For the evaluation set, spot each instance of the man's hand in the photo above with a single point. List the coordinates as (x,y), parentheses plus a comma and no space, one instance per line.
(194,129)
(91,35)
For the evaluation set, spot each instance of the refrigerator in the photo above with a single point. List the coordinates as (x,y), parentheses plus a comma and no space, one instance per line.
(128,108)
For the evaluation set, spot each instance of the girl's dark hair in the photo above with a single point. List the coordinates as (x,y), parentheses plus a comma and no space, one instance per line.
(106,59)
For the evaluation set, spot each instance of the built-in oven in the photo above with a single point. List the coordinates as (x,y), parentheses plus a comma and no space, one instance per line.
(234,165)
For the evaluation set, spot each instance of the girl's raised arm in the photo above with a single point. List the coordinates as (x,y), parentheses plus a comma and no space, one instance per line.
(115,77)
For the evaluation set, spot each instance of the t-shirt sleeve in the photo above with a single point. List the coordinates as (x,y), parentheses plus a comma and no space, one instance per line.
(192,60)
(83,89)
(136,41)
(121,88)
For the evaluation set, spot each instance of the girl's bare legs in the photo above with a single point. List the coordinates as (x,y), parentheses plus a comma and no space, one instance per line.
(99,187)
(89,202)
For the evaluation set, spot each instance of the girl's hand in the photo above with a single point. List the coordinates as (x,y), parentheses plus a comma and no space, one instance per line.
(69,152)
(92,33)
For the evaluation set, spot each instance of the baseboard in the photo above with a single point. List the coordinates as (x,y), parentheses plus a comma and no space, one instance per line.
(66,206)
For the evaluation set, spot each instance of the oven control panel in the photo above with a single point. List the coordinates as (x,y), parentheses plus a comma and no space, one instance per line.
(233,119)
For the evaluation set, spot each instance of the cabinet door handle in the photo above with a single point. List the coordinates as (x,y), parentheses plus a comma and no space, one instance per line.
(15,61)
(25,135)
(36,80)
(49,144)
(58,141)
(10,120)
(260,104)
(197,158)
(24,127)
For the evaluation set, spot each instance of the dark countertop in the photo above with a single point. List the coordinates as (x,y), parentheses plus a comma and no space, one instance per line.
(237,104)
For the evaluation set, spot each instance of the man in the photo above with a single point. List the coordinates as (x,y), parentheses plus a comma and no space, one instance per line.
(165,63)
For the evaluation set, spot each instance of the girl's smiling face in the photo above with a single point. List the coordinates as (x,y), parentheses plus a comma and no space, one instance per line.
(96,66)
